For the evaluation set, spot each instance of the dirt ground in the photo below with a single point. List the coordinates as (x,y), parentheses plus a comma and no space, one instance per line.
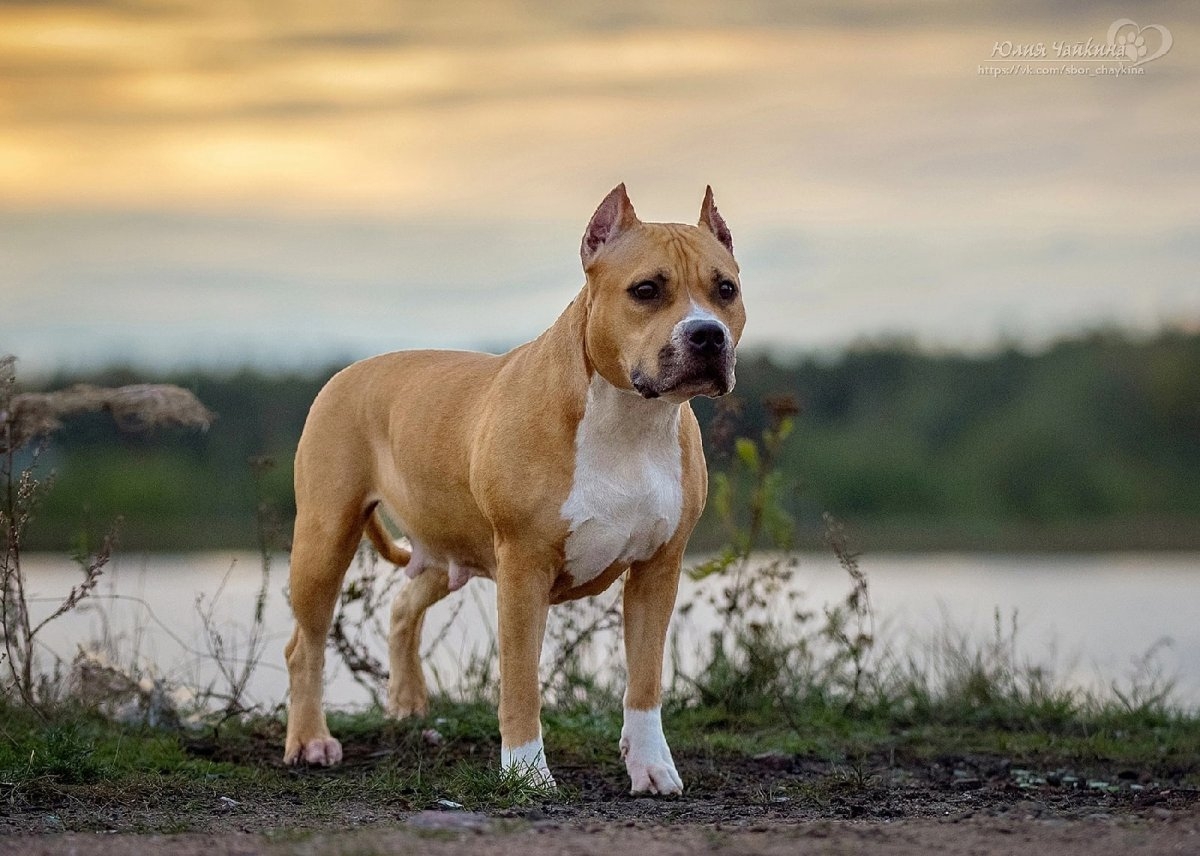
(768,804)
(979,836)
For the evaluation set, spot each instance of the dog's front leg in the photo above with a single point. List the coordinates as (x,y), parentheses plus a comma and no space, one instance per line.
(649,599)
(523,583)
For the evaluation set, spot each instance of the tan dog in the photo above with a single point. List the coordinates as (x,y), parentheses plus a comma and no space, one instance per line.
(552,469)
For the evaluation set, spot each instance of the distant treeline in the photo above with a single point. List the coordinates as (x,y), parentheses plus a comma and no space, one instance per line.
(1093,443)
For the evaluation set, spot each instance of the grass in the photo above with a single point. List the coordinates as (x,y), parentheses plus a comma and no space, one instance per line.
(78,757)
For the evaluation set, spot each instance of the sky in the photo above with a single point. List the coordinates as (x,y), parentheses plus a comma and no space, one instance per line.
(219,182)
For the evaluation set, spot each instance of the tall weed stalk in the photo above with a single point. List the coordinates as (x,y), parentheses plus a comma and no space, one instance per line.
(26,421)
(765,654)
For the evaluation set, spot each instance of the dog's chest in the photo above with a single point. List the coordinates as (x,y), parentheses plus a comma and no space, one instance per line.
(627,492)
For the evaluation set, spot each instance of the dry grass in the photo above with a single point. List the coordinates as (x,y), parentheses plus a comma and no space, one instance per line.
(25,420)
(139,407)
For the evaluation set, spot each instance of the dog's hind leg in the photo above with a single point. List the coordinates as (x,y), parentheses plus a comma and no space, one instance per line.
(407,695)
(322,549)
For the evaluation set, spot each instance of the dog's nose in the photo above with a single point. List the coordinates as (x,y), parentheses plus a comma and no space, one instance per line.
(706,338)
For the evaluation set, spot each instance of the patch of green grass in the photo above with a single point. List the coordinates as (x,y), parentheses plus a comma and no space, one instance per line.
(79,759)
(77,747)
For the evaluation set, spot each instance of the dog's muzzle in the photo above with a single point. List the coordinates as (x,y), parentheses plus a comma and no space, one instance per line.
(698,360)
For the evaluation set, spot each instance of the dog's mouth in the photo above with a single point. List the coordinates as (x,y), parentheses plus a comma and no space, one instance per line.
(713,383)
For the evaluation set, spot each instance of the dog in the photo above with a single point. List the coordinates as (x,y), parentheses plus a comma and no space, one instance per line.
(552,469)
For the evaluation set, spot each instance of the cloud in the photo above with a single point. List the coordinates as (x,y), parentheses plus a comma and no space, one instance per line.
(218,168)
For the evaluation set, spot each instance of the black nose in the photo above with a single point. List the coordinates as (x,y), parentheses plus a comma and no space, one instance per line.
(706,338)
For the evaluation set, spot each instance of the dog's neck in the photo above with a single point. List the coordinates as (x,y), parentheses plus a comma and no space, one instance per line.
(628,417)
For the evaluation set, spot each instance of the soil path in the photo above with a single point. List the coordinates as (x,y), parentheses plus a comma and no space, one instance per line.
(427,834)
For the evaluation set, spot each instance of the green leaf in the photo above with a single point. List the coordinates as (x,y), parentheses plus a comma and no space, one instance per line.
(747,452)
(716,565)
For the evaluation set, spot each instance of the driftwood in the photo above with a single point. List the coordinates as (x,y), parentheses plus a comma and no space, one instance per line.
(139,407)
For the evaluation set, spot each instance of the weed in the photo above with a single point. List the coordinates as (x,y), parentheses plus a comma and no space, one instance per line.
(236,663)
(1147,690)
(760,658)
(476,786)
(26,419)
(574,678)
(850,624)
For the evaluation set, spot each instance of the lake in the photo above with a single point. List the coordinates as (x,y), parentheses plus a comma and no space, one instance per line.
(1092,618)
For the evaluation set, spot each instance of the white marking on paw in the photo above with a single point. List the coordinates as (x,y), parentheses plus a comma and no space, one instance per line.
(647,755)
(529,762)
(627,492)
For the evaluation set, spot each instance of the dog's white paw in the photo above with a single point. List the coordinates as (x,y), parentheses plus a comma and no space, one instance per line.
(528,762)
(321,752)
(647,755)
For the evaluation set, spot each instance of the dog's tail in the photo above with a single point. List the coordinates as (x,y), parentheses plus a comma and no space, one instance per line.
(382,541)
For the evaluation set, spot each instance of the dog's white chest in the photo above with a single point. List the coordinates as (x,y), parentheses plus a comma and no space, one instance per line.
(627,493)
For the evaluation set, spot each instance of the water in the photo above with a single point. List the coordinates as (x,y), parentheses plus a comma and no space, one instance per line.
(1092,618)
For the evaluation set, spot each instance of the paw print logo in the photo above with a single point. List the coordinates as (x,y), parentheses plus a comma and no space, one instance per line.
(1131,44)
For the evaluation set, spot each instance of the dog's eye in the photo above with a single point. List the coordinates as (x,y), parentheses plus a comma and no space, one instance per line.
(647,290)
(726,290)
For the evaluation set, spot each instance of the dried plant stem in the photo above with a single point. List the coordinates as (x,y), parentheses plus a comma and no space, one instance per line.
(29,417)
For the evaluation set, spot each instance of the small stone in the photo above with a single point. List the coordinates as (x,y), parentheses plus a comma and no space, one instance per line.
(450,804)
(432,737)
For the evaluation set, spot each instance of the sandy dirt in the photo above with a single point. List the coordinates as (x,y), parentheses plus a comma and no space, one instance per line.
(433,834)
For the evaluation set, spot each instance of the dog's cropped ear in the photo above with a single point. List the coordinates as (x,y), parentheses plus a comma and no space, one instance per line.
(711,219)
(613,217)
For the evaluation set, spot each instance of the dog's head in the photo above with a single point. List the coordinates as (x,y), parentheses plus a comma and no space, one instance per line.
(664,301)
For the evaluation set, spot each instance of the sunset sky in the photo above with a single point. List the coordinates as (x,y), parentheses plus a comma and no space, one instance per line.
(211,182)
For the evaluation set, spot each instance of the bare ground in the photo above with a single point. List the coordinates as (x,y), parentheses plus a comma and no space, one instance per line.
(898,838)
(769,804)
